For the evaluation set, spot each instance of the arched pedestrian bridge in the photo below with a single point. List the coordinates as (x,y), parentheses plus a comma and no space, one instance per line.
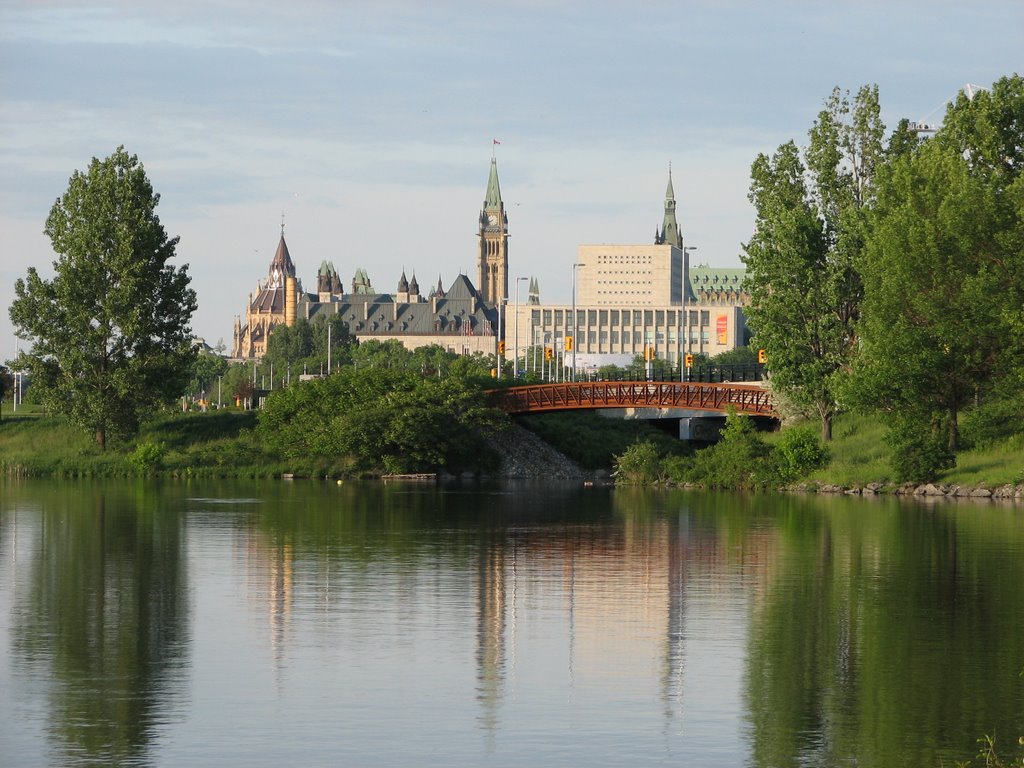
(750,399)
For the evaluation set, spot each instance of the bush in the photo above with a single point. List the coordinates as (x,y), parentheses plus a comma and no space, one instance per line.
(147,456)
(639,465)
(740,460)
(798,453)
(992,421)
(919,453)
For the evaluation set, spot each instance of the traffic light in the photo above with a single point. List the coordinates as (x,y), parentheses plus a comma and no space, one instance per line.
(501,347)
(568,343)
(549,353)
(689,361)
(762,357)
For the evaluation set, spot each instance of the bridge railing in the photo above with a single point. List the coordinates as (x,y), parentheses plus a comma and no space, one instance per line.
(699,396)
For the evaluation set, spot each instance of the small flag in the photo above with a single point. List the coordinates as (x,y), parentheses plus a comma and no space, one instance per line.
(496,141)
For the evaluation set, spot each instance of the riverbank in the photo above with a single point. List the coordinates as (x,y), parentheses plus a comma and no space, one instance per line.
(223,444)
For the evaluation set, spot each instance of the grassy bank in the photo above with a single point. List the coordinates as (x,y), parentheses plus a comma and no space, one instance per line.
(217,444)
(860,455)
(223,444)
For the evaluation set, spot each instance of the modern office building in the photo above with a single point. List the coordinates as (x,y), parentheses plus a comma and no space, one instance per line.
(636,300)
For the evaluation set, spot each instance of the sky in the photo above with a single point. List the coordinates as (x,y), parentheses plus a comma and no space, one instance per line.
(369,126)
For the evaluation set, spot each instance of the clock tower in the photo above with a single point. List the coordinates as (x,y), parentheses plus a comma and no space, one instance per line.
(492,261)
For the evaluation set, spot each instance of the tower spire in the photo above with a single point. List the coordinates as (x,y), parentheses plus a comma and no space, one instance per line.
(669,232)
(492,260)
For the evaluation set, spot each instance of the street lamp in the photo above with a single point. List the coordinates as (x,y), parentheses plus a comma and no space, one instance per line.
(682,310)
(515,351)
(574,325)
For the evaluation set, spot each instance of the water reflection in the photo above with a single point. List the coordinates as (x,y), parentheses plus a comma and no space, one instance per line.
(103,615)
(513,625)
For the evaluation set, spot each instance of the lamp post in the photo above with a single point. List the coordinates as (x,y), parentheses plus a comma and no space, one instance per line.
(574,325)
(682,310)
(515,351)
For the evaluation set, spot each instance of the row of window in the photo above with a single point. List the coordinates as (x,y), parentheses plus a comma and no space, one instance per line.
(617,317)
(634,338)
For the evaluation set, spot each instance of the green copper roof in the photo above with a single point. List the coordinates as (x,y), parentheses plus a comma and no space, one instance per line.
(670,194)
(493,199)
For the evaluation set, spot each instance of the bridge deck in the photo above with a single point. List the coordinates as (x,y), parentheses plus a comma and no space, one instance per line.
(535,398)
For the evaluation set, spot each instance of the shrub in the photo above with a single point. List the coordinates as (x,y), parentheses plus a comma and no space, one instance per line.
(798,453)
(640,464)
(147,456)
(740,460)
(919,453)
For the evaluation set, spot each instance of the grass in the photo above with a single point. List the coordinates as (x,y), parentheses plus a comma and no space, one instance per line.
(860,455)
(223,444)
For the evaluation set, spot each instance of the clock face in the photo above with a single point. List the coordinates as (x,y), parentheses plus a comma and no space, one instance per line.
(493,219)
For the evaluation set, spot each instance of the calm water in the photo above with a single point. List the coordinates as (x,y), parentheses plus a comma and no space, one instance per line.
(310,624)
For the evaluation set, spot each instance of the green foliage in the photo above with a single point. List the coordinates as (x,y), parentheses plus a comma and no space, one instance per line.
(798,453)
(303,346)
(944,277)
(741,459)
(640,464)
(110,332)
(993,421)
(805,290)
(206,369)
(737,356)
(593,441)
(919,451)
(147,456)
(385,418)
(6,385)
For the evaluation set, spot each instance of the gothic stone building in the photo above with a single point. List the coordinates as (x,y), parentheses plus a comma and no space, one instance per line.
(460,319)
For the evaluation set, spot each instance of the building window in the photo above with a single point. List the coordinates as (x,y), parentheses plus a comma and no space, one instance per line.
(535,317)
(648,317)
(705,317)
(637,338)
(592,337)
(671,319)
(547,317)
(615,337)
(615,316)
(638,318)
(558,317)
(693,317)
(659,317)
(592,317)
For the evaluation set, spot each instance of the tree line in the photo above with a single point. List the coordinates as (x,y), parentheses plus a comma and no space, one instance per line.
(886,274)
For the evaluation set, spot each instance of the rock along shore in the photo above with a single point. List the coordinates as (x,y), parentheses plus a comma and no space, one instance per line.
(930,490)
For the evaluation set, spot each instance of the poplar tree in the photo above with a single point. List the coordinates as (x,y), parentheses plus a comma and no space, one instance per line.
(110,332)
(801,261)
(944,276)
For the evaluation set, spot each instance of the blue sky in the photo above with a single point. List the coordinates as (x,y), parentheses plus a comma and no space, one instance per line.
(370,124)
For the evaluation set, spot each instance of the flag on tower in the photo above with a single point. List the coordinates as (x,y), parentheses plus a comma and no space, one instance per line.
(496,141)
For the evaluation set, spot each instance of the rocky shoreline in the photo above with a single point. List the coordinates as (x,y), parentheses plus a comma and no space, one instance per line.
(930,490)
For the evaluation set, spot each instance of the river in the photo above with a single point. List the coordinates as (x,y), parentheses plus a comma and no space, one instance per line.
(176,623)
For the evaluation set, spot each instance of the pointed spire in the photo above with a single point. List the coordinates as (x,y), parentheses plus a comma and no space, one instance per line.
(403,283)
(669,232)
(282,259)
(493,199)
(414,287)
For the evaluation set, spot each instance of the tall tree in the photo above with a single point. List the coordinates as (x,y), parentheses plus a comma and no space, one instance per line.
(110,332)
(943,272)
(801,274)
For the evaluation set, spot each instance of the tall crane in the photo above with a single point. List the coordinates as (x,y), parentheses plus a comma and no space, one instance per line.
(923,126)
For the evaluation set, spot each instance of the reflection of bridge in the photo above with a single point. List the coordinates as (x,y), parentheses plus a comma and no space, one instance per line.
(744,398)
